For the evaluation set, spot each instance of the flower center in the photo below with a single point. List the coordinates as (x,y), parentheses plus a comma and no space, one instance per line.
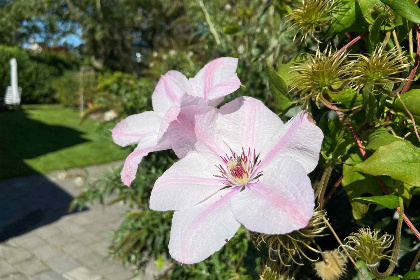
(240,169)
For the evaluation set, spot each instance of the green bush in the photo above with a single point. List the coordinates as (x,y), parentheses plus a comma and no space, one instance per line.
(125,93)
(68,87)
(36,72)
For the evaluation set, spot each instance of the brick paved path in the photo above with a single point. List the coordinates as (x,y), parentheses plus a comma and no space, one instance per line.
(41,241)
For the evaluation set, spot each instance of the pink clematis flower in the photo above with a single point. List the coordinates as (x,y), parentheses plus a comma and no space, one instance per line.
(217,79)
(240,165)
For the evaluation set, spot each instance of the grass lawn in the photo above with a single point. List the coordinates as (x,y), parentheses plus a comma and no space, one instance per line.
(43,138)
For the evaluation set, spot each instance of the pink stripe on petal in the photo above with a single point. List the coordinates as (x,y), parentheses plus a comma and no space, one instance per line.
(281,202)
(197,135)
(208,77)
(282,141)
(213,207)
(128,173)
(201,218)
(168,90)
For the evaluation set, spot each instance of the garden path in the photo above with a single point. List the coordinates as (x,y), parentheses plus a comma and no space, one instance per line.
(42,241)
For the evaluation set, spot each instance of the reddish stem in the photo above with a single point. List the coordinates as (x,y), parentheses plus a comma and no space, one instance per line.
(334,188)
(416,62)
(363,153)
(351,43)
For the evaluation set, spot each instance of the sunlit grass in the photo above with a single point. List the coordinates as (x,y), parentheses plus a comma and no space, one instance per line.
(44,138)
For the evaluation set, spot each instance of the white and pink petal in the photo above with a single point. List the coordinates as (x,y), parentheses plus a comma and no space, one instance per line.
(200,231)
(169,90)
(188,182)
(195,130)
(300,139)
(281,202)
(136,127)
(146,146)
(247,123)
(216,79)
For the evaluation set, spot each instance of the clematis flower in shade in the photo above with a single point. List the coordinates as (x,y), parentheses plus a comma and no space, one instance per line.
(217,79)
(241,165)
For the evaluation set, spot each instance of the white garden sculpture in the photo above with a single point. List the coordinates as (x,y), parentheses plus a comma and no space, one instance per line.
(13,92)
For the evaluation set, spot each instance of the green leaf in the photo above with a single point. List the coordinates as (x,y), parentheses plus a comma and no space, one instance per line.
(363,267)
(399,160)
(405,8)
(160,262)
(411,100)
(380,137)
(232,29)
(344,18)
(374,37)
(368,7)
(389,201)
(279,90)
(411,275)
(370,103)
(348,97)
(356,184)
(284,69)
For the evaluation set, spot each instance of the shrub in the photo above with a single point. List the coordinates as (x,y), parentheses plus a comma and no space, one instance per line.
(35,72)
(68,87)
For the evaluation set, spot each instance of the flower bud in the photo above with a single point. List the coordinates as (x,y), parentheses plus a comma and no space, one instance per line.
(333,265)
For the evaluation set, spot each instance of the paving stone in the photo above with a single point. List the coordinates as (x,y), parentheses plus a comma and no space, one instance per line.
(101,247)
(6,268)
(48,231)
(114,271)
(71,229)
(87,238)
(15,276)
(60,240)
(81,273)
(92,260)
(63,264)
(13,254)
(47,252)
(29,241)
(31,267)
(76,250)
(49,275)
(80,219)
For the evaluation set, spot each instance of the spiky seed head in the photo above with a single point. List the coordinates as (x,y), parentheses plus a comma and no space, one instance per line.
(290,248)
(380,68)
(333,265)
(369,246)
(274,272)
(310,17)
(320,74)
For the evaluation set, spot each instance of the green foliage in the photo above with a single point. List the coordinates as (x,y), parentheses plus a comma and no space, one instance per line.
(68,87)
(356,184)
(389,201)
(411,100)
(398,160)
(35,72)
(344,17)
(122,92)
(379,137)
(279,90)
(412,275)
(405,8)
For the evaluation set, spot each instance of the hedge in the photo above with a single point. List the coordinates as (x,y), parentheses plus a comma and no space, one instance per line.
(36,72)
